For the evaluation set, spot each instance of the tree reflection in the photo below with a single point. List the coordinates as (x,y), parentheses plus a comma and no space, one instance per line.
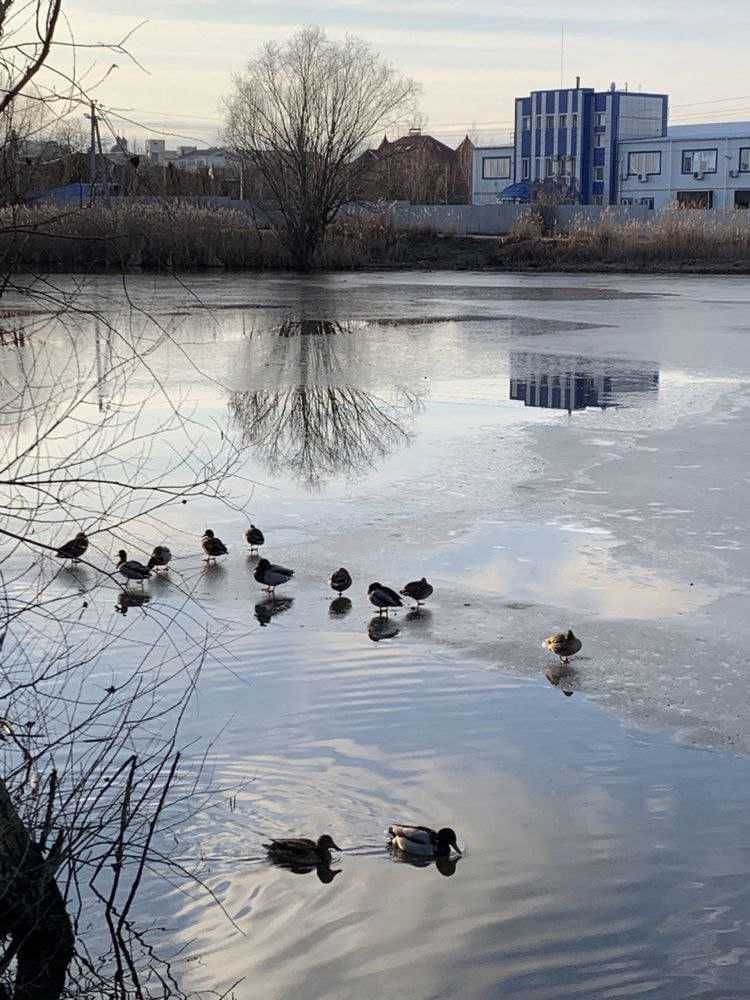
(311,422)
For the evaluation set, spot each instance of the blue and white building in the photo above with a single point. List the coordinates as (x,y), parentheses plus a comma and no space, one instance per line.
(615,148)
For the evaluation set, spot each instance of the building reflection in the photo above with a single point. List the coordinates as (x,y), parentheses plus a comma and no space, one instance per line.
(570,383)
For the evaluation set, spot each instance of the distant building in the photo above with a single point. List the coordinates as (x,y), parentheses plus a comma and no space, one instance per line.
(193,159)
(613,147)
(417,168)
(698,166)
(492,173)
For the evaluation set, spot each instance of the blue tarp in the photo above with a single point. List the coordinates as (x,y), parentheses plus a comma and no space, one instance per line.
(72,194)
(515,192)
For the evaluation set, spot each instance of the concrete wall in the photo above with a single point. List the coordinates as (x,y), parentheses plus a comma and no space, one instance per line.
(663,187)
(490,220)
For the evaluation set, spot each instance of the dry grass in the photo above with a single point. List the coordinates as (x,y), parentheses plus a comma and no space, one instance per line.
(171,236)
(676,236)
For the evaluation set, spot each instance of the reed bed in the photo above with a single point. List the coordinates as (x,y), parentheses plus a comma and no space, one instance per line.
(172,236)
(677,238)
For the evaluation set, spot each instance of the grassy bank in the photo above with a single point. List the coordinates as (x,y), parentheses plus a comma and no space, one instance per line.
(173,236)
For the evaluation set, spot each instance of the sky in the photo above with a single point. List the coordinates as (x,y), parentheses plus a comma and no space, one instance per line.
(471,65)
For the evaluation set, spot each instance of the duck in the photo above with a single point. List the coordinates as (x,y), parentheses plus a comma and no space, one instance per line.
(131,569)
(301,850)
(160,557)
(213,546)
(383,597)
(272,576)
(255,538)
(74,549)
(418,590)
(564,645)
(423,841)
(341,580)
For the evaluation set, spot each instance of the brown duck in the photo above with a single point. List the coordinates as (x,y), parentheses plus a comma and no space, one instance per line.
(564,645)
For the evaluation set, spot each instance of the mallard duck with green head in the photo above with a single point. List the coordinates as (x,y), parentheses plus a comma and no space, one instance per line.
(423,840)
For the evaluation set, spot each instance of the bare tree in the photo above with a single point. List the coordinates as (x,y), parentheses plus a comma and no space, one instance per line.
(300,113)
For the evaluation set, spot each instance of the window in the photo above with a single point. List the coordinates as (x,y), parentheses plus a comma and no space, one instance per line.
(599,141)
(524,170)
(745,160)
(562,121)
(574,120)
(495,168)
(548,166)
(537,169)
(549,121)
(644,164)
(527,123)
(571,166)
(699,161)
(598,199)
(600,119)
(598,173)
(539,121)
(647,202)
(626,201)
(695,199)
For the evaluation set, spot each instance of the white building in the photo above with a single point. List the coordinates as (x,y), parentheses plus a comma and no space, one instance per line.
(700,166)
(492,172)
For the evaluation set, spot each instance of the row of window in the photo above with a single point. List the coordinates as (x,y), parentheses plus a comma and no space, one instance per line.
(563,120)
(701,161)
(600,120)
(554,166)
(641,164)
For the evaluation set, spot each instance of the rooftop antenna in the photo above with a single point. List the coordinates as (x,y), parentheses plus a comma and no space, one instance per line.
(562,54)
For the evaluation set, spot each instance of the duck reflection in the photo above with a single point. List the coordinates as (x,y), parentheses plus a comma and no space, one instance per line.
(559,383)
(308,420)
(562,679)
(323,869)
(380,627)
(127,600)
(446,866)
(339,607)
(419,619)
(272,606)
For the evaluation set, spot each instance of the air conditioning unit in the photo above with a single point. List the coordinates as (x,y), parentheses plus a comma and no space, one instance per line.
(698,175)
(643,178)
(733,173)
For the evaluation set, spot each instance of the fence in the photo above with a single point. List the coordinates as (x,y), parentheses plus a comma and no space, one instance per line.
(489,220)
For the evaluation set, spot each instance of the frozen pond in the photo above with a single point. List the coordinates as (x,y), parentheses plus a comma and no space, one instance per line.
(550,452)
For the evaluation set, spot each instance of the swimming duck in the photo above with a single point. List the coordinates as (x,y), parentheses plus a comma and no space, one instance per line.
(74,549)
(213,546)
(272,576)
(301,850)
(418,590)
(423,841)
(131,569)
(160,557)
(564,645)
(341,580)
(255,538)
(383,597)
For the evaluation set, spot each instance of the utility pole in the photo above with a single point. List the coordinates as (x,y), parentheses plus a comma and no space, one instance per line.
(92,151)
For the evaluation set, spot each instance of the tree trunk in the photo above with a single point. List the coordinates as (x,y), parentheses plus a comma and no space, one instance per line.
(32,911)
